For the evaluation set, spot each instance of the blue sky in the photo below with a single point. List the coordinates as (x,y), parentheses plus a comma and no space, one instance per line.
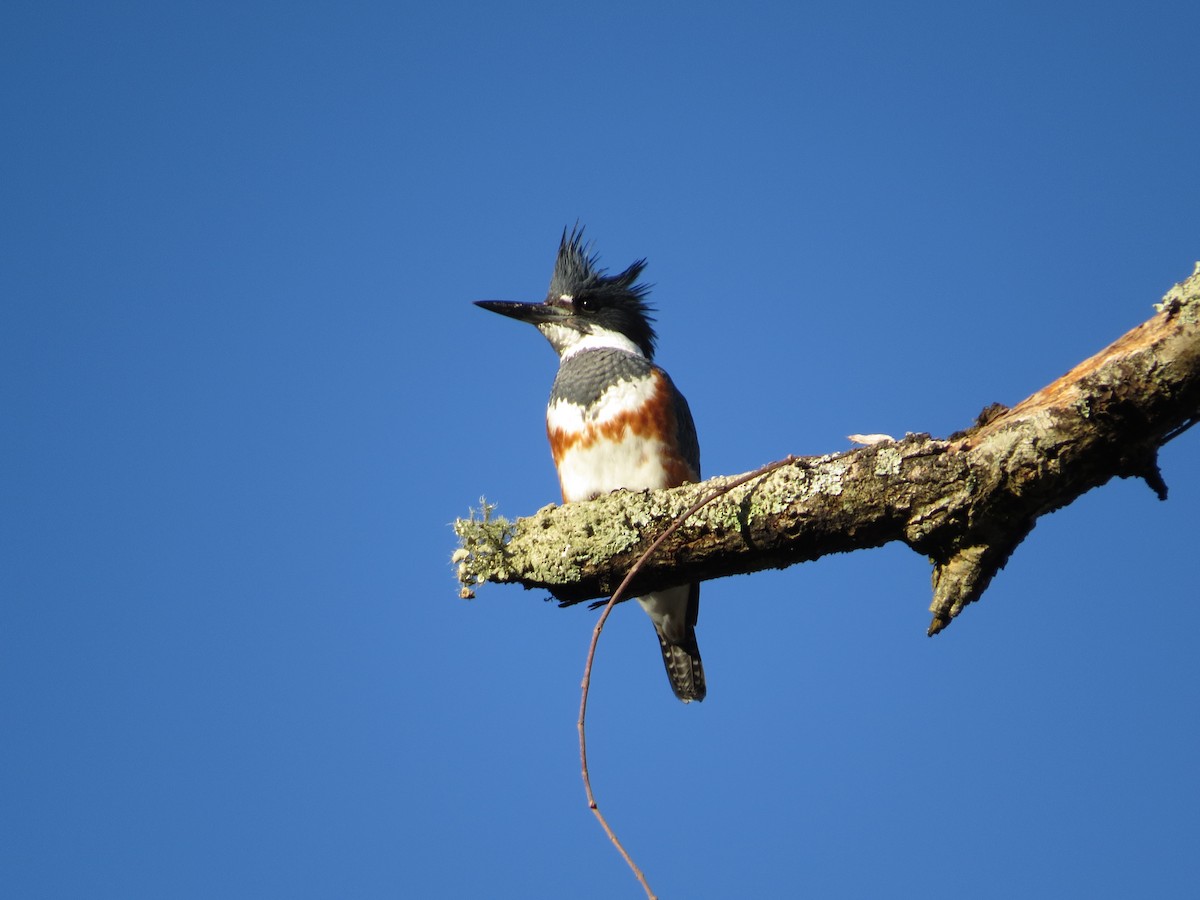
(245,393)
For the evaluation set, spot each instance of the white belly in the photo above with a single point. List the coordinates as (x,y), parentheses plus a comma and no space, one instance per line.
(634,463)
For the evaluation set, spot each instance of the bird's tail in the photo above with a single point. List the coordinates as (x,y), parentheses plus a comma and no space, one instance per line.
(684,668)
(674,612)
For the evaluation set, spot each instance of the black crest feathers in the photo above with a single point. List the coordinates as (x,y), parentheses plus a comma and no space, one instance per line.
(619,299)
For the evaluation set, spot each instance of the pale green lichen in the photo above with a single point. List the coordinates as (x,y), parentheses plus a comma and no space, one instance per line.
(887,461)
(482,537)
(1184,298)
(829,479)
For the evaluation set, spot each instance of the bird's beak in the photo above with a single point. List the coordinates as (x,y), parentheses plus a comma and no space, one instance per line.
(533,313)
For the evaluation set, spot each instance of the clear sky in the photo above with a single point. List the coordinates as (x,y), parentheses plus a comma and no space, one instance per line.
(245,393)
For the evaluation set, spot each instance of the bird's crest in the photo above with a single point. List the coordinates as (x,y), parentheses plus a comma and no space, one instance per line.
(578,274)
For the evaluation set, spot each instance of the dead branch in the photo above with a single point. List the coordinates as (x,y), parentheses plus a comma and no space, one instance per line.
(965,502)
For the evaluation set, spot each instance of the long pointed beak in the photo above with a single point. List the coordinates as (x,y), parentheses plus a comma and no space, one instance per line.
(533,313)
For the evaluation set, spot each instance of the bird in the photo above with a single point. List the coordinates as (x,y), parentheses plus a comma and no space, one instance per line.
(614,418)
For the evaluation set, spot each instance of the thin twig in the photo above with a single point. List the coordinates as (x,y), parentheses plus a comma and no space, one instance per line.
(1180,429)
(608,607)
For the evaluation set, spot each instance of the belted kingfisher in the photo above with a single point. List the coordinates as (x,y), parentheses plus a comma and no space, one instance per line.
(615,420)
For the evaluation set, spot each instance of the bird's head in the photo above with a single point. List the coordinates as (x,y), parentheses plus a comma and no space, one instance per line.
(586,308)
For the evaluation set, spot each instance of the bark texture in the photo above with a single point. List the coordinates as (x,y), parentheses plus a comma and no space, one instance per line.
(965,502)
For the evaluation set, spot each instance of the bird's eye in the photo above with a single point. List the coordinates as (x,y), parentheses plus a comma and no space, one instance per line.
(587,304)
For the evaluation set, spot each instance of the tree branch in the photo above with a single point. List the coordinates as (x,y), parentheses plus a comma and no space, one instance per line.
(965,502)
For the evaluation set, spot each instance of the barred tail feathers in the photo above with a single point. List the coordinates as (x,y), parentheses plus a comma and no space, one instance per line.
(684,668)
(674,612)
